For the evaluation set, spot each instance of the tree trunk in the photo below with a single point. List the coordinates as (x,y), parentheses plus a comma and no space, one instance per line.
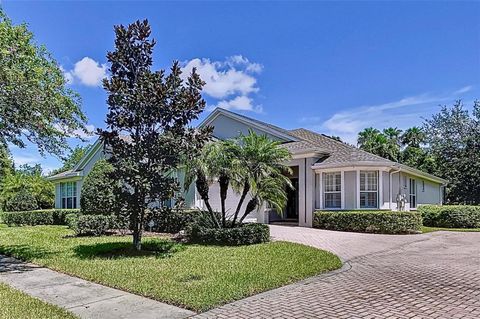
(246,188)
(202,188)
(223,181)
(252,204)
(137,239)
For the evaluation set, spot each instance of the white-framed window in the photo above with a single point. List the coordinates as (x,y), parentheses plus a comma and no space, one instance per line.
(368,189)
(68,195)
(413,193)
(332,190)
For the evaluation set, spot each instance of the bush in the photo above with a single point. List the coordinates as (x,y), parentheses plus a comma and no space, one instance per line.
(244,234)
(173,221)
(91,225)
(382,222)
(24,200)
(37,217)
(450,216)
(97,190)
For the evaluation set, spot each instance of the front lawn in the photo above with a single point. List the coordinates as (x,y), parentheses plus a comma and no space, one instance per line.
(426,229)
(17,305)
(193,276)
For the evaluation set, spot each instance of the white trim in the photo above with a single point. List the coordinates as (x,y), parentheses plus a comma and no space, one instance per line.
(321,190)
(342,189)
(351,168)
(380,190)
(358,189)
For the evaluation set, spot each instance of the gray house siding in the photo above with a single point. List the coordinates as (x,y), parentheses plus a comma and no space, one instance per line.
(350,184)
(226,128)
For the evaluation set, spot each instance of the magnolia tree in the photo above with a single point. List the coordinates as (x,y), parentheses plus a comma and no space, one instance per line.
(148,132)
(251,165)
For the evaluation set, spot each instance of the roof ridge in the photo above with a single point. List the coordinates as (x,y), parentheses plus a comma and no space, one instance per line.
(345,145)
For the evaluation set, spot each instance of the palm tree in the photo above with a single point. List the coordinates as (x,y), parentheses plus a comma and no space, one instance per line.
(413,137)
(261,173)
(366,138)
(251,164)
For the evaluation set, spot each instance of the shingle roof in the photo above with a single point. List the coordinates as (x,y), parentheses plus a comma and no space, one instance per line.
(339,152)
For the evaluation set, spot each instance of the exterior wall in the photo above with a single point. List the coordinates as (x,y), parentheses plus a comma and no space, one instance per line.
(230,203)
(385,191)
(225,128)
(431,194)
(350,189)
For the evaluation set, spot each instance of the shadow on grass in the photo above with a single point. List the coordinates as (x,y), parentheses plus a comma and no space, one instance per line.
(156,248)
(25,252)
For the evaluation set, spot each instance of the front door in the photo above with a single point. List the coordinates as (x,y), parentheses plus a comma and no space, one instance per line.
(291,210)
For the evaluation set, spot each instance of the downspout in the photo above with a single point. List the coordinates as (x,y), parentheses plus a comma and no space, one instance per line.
(391,187)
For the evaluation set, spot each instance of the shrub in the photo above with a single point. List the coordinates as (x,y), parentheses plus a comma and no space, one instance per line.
(91,225)
(173,221)
(24,200)
(97,190)
(38,217)
(244,234)
(450,216)
(383,222)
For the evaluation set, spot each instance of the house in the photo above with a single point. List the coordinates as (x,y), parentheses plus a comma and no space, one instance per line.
(327,175)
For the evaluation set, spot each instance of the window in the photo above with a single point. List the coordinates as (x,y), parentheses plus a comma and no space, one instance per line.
(68,194)
(423,186)
(413,193)
(368,189)
(333,190)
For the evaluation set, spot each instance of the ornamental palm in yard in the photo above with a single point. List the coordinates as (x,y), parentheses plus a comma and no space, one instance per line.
(251,164)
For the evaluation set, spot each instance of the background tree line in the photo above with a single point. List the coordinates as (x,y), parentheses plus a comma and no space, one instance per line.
(446,145)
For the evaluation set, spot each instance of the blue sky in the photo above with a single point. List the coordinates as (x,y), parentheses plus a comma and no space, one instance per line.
(334,67)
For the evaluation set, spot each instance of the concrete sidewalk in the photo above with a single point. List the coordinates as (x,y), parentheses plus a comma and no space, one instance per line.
(81,297)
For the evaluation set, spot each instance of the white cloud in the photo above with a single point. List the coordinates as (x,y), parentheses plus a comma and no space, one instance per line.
(89,134)
(85,135)
(402,113)
(25,159)
(87,71)
(239,103)
(465,89)
(223,78)
(230,82)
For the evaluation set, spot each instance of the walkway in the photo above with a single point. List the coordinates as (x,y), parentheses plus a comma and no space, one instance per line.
(434,275)
(81,297)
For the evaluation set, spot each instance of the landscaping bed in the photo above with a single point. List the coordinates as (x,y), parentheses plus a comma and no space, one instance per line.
(17,305)
(198,277)
(372,221)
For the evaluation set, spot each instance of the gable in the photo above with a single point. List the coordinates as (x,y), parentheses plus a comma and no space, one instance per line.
(228,125)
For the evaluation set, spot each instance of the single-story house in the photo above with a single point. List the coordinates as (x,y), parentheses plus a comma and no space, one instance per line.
(327,175)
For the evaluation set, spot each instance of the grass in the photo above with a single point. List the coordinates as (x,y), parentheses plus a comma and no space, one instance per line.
(17,305)
(192,276)
(426,229)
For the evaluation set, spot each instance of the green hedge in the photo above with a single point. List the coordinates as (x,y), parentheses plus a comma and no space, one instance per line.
(91,225)
(450,216)
(172,221)
(246,234)
(382,222)
(37,217)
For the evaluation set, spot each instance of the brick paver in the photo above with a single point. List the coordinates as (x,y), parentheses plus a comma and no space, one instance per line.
(434,275)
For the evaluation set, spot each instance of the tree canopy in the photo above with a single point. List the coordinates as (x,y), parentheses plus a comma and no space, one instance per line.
(35,103)
(453,137)
(148,124)
(447,145)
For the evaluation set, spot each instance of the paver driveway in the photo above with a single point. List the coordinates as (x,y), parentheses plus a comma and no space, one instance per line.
(434,275)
